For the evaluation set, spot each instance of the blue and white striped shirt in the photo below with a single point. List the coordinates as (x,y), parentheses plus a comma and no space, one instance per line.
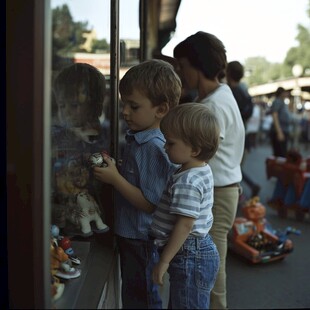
(188,193)
(146,165)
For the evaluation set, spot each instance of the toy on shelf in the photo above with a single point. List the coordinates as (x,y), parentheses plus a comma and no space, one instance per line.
(252,237)
(61,265)
(292,190)
(65,244)
(57,288)
(76,204)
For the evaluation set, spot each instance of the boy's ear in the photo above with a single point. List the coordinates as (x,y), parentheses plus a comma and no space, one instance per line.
(196,151)
(162,109)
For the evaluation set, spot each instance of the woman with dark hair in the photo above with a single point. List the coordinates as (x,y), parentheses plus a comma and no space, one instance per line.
(202,58)
(279,131)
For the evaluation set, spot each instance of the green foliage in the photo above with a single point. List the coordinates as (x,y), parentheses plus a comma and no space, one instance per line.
(259,71)
(68,34)
(301,53)
(100,45)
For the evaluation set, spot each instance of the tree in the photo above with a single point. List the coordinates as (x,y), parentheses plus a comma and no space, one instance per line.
(100,45)
(67,34)
(301,53)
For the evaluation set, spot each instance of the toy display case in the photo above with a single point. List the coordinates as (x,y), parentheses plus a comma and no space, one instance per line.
(292,190)
(81,206)
(253,238)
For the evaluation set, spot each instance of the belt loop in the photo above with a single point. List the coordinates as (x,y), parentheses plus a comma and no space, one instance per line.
(197,243)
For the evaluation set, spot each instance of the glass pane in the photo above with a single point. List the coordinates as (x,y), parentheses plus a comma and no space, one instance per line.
(81,209)
(129,33)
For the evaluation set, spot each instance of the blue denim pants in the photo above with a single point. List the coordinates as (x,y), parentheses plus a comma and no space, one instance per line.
(137,260)
(193,273)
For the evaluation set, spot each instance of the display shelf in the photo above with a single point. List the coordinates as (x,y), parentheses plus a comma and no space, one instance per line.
(97,262)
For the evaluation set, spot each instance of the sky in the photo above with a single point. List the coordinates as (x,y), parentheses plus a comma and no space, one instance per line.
(248,28)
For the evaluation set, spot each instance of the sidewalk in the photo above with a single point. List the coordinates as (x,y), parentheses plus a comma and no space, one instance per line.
(282,284)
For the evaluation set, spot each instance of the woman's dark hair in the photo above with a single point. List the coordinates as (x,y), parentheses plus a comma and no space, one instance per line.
(205,52)
(235,70)
(279,91)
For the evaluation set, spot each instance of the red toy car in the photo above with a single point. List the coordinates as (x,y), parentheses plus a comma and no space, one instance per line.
(252,238)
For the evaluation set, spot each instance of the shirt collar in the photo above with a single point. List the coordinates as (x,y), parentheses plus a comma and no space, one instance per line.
(144,136)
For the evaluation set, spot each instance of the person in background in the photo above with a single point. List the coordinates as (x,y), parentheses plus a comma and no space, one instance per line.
(148,90)
(187,95)
(265,125)
(280,128)
(202,57)
(182,221)
(253,127)
(234,75)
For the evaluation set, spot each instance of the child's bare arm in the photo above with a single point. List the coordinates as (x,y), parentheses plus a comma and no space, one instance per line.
(133,194)
(178,236)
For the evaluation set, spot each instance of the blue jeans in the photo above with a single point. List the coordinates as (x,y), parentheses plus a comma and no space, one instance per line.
(137,259)
(192,274)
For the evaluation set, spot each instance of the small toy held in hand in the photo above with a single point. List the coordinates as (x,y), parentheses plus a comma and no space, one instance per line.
(97,159)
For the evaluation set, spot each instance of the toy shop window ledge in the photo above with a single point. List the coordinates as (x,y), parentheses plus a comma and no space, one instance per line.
(98,264)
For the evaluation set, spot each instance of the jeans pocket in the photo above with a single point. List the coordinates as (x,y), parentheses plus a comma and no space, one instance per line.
(206,269)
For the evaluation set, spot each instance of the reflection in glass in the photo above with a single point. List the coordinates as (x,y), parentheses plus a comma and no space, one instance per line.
(80,128)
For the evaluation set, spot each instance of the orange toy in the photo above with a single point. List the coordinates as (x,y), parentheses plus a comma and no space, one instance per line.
(61,265)
(251,239)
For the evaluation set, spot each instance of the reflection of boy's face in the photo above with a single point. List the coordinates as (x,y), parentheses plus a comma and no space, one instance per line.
(76,110)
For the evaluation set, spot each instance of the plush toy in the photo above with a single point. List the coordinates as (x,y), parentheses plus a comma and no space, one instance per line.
(79,207)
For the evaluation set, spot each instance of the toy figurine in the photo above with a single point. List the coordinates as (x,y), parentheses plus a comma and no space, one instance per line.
(97,160)
(57,288)
(251,238)
(65,244)
(79,207)
(60,263)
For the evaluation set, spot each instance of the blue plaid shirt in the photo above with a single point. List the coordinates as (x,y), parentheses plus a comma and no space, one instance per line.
(146,165)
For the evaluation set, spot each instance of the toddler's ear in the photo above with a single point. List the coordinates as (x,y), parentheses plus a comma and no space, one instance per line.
(162,109)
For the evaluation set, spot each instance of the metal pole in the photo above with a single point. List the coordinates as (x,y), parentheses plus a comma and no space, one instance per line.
(143,17)
(114,77)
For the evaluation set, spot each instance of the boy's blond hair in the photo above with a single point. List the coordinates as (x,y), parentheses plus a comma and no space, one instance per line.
(154,78)
(196,125)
